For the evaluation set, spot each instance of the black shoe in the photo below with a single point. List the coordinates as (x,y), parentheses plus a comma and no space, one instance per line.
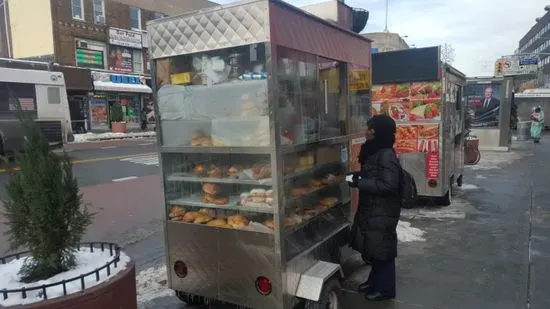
(377,296)
(365,287)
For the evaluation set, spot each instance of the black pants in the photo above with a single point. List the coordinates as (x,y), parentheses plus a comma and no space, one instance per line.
(144,124)
(382,277)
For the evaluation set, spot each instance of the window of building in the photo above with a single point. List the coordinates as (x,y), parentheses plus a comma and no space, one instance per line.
(99,12)
(135,17)
(159,15)
(137,60)
(78,9)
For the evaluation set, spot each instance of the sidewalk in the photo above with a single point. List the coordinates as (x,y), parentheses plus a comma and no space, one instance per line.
(476,251)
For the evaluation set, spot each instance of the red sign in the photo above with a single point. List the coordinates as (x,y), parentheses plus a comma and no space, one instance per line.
(432,165)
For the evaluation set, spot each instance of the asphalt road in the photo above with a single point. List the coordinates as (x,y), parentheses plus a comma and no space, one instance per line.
(120,181)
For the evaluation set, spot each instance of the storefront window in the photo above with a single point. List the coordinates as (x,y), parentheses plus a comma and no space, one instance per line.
(130,107)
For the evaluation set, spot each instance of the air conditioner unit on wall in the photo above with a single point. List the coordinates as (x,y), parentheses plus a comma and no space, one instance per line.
(81,44)
(100,19)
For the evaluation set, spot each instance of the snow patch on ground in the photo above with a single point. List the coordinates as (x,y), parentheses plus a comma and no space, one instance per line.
(457,210)
(92,137)
(480,177)
(86,262)
(468,186)
(495,160)
(151,284)
(407,233)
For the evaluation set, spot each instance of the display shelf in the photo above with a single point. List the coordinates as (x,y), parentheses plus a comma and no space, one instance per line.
(187,177)
(292,200)
(217,150)
(304,223)
(310,171)
(252,227)
(312,145)
(194,200)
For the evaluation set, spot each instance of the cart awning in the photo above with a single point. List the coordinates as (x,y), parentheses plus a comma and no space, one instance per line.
(118,87)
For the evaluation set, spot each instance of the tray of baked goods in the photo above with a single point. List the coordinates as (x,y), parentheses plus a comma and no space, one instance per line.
(218,218)
(301,216)
(249,174)
(213,196)
(312,187)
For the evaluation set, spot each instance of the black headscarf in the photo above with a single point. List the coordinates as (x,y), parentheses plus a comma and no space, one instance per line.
(384,136)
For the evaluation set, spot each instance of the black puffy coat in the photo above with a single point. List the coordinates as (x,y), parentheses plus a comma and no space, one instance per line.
(379,205)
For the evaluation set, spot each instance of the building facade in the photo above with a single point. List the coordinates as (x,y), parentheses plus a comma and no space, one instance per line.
(537,40)
(106,37)
(386,41)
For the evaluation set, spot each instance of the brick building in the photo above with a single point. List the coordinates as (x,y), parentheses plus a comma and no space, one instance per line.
(105,39)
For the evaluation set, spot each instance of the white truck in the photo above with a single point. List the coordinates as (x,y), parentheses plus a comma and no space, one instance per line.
(41,93)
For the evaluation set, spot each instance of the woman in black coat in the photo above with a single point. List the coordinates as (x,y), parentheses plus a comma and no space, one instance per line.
(379,206)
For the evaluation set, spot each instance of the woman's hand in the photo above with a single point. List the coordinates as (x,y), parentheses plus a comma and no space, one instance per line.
(353,179)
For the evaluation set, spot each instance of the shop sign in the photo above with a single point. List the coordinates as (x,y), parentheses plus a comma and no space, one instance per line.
(88,58)
(117,78)
(519,65)
(359,80)
(432,165)
(121,59)
(126,38)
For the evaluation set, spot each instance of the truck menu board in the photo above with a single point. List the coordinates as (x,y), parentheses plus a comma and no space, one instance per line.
(408,101)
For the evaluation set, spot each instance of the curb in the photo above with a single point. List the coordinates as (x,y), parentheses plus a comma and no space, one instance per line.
(101,139)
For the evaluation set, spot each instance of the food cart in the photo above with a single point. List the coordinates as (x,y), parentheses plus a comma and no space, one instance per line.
(255,114)
(424,96)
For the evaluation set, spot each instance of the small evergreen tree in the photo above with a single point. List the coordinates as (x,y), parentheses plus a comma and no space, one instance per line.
(116,113)
(44,208)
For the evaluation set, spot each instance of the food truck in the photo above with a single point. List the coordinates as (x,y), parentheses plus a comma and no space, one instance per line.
(424,97)
(256,104)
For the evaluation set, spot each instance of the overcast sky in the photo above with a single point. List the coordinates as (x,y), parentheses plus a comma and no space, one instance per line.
(479,30)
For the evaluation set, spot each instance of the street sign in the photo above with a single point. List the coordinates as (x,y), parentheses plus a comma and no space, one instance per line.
(517,65)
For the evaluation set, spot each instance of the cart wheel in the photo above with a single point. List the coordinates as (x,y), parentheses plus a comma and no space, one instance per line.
(192,300)
(444,200)
(330,296)
(459,181)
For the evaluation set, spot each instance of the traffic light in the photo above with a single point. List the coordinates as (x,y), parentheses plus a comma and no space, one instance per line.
(498,67)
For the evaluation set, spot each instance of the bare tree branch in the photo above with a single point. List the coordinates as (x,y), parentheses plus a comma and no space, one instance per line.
(447,53)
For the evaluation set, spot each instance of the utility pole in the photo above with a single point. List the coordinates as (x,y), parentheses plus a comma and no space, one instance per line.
(4,5)
(387,9)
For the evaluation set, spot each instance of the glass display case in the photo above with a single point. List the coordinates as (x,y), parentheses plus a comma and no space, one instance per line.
(217,155)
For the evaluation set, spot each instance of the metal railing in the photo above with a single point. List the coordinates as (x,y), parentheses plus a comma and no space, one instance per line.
(114,251)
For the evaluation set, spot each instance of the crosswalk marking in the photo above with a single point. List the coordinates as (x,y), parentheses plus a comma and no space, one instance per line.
(152,160)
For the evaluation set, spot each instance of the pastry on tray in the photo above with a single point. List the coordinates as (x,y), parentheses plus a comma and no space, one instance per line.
(199,170)
(200,139)
(221,200)
(176,211)
(237,221)
(233,172)
(191,216)
(207,198)
(202,219)
(216,172)
(298,192)
(218,223)
(329,201)
(269,224)
(212,189)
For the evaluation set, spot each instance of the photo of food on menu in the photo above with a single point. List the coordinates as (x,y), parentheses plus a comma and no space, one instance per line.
(408,101)
(417,138)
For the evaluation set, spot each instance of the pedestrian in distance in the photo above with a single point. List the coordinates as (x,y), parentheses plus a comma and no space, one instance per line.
(379,209)
(537,124)
(144,112)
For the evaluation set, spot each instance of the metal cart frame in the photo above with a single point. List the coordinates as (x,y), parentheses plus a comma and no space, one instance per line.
(228,270)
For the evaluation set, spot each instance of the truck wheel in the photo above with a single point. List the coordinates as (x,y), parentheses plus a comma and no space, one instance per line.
(192,300)
(330,296)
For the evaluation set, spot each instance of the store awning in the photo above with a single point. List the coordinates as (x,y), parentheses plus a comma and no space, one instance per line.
(109,86)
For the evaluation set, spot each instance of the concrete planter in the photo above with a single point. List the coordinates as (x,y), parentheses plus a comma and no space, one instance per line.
(118,127)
